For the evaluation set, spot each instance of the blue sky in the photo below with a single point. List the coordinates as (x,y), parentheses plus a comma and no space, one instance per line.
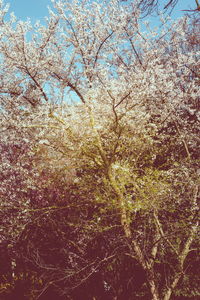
(33,9)
(37,9)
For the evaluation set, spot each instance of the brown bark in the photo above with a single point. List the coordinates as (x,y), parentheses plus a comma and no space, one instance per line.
(181,257)
(169,291)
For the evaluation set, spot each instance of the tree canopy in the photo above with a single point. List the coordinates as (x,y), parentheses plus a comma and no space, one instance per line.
(99,154)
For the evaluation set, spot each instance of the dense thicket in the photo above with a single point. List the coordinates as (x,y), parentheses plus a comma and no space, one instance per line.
(99,155)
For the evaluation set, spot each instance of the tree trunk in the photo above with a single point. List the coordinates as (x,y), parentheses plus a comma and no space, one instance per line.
(182,257)
(152,284)
(169,291)
(148,268)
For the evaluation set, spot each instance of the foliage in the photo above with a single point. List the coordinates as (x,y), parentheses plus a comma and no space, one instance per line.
(99,161)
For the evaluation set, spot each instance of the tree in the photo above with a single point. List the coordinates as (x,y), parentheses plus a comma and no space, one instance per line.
(117,163)
(147,7)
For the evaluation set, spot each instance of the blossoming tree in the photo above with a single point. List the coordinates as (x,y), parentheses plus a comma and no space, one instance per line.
(95,109)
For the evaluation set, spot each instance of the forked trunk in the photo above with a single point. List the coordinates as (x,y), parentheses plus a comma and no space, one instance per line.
(152,285)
